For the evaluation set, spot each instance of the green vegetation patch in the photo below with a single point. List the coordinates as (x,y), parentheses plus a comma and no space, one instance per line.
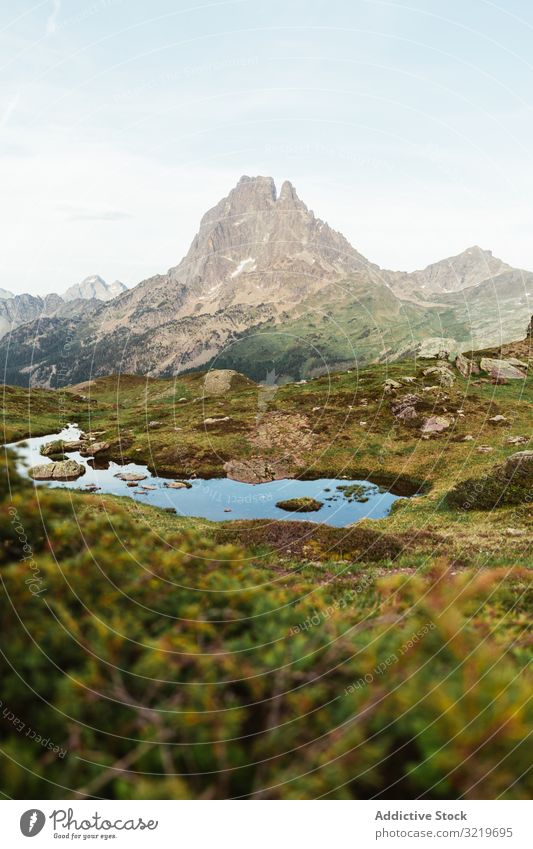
(510,483)
(300,505)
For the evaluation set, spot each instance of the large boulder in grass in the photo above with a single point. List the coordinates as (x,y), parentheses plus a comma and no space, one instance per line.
(520,464)
(508,483)
(501,369)
(221,381)
(64,470)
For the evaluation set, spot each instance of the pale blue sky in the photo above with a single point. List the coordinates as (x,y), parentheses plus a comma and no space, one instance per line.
(407,126)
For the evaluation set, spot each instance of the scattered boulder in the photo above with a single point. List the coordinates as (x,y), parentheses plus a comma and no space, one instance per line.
(519,463)
(154,423)
(435,424)
(439,347)
(63,470)
(442,373)
(131,476)
(214,420)
(95,448)
(404,408)
(58,447)
(501,369)
(132,483)
(221,381)
(468,438)
(465,366)
(391,385)
(177,485)
(484,449)
(517,440)
(499,420)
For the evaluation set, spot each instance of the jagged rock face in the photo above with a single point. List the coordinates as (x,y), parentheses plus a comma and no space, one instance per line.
(84,297)
(21,309)
(253,248)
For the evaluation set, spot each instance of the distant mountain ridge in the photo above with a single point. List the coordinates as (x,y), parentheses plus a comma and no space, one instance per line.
(266,284)
(17,310)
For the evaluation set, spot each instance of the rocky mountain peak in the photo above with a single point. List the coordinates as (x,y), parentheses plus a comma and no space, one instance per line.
(471,267)
(254,243)
(94,287)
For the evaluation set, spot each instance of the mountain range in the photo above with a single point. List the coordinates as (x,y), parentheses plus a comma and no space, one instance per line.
(267,285)
(16,310)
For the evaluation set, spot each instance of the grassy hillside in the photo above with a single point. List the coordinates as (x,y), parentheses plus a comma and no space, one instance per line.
(175,658)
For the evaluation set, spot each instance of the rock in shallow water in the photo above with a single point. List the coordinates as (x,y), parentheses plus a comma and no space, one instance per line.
(64,470)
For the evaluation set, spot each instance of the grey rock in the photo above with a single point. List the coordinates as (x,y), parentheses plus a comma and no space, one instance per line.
(519,462)
(63,470)
(131,476)
(442,373)
(214,420)
(501,369)
(465,366)
(435,424)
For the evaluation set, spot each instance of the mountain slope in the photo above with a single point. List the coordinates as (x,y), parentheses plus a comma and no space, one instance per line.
(469,268)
